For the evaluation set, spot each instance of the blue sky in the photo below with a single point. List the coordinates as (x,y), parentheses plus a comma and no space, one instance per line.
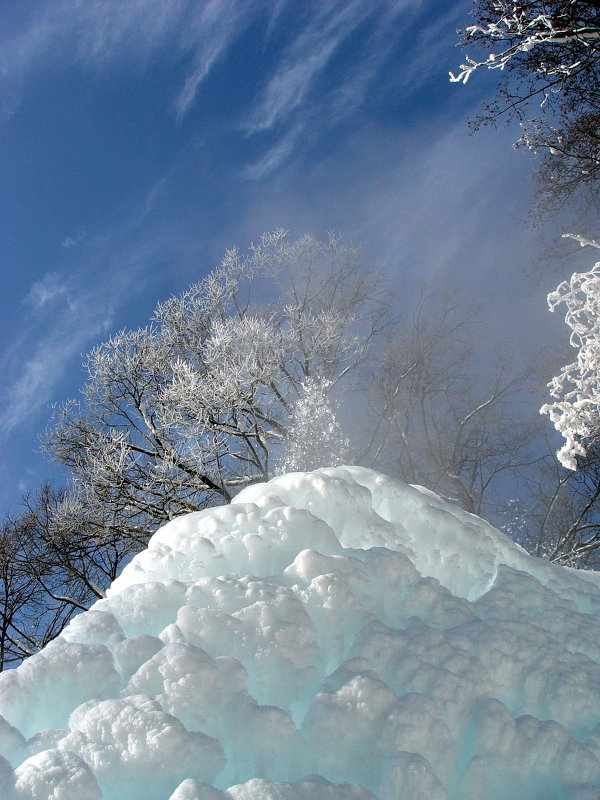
(140,138)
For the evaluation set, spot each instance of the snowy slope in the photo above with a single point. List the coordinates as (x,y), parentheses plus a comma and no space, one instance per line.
(329,635)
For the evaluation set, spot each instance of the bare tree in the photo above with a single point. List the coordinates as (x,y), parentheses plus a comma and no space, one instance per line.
(19,593)
(444,422)
(570,530)
(44,577)
(72,563)
(558,515)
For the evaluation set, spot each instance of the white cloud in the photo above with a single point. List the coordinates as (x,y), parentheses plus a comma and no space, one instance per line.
(436,209)
(218,23)
(432,46)
(274,157)
(82,303)
(300,97)
(305,59)
(288,88)
(46,290)
(72,241)
(103,32)
(45,367)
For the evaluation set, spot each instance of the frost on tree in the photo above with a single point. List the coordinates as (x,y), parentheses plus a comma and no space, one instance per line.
(519,28)
(180,414)
(547,55)
(315,437)
(576,410)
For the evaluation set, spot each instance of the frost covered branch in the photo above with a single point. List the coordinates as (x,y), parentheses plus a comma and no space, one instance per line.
(548,56)
(576,409)
(181,413)
(523,32)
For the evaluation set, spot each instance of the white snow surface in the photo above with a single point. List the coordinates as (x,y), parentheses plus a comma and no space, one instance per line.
(330,635)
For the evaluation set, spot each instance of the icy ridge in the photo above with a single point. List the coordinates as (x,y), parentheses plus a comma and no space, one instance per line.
(334,634)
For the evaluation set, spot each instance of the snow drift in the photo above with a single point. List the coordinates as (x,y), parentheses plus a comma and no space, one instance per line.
(332,635)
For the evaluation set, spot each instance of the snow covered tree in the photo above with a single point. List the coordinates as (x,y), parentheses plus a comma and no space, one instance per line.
(549,54)
(180,414)
(315,437)
(575,411)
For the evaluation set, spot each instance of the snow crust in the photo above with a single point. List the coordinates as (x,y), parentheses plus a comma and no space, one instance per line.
(335,635)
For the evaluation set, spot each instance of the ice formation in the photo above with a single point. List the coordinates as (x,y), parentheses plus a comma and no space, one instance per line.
(333,635)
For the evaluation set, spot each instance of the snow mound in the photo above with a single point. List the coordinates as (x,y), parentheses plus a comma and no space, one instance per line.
(334,635)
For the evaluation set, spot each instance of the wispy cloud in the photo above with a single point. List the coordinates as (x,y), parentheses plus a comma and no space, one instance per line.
(300,97)
(434,208)
(298,91)
(46,290)
(41,371)
(72,241)
(303,63)
(433,53)
(71,308)
(273,157)
(103,32)
(218,23)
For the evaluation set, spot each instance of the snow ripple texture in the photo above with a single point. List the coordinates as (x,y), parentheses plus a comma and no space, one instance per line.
(328,635)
